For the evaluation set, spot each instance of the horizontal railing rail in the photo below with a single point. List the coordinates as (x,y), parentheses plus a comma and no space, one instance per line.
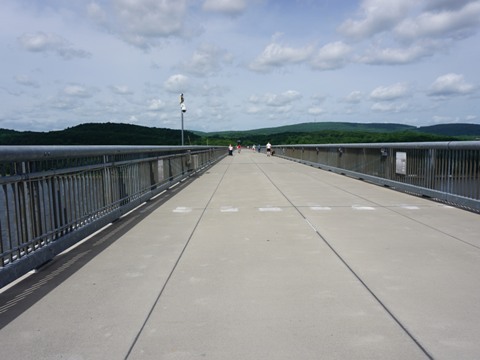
(445,171)
(51,197)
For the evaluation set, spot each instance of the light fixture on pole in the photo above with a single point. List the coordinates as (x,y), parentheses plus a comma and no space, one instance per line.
(183,109)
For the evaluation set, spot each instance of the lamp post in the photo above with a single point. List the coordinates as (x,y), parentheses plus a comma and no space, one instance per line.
(183,109)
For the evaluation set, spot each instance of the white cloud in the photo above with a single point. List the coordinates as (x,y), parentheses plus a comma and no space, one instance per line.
(273,103)
(121,89)
(253,109)
(283,109)
(41,42)
(399,55)
(156,105)
(376,16)
(331,56)
(316,111)
(206,60)
(276,55)
(276,100)
(318,98)
(25,80)
(63,103)
(441,23)
(142,22)
(451,84)
(228,7)
(388,107)
(389,93)
(76,91)
(151,18)
(406,31)
(214,91)
(97,13)
(177,83)
(439,5)
(354,97)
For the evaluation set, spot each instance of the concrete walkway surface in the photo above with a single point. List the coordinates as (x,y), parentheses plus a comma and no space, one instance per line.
(260,258)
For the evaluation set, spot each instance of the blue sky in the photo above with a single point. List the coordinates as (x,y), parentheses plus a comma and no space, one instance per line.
(241,64)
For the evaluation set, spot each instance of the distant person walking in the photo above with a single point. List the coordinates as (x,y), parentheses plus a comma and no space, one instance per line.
(230,149)
(269,149)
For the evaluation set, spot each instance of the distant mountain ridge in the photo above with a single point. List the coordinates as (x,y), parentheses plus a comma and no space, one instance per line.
(318,132)
(318,126)
(98,134)
(454,129)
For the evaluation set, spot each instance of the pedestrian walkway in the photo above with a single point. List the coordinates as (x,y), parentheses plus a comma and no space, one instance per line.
(260,258)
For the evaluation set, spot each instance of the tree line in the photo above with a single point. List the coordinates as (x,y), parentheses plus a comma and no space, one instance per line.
(127,134)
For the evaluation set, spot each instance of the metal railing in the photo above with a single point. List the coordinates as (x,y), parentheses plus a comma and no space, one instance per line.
(51,197)
(445,171)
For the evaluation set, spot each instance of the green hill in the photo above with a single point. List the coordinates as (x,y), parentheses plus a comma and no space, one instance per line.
(318,126)
(452,129)
(306,133)
(99,134)
(340,132)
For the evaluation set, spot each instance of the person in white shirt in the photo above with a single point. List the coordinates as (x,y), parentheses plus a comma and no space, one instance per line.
(269,149)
